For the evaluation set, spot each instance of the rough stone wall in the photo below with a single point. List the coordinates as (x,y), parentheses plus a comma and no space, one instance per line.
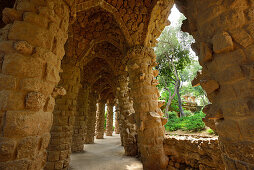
(80,126)
(91,118)
(110,114)
(193,152)
(224,34)
(128,129)
(31,50)
(117,117)
(149,118)
(100,119)
(59,149)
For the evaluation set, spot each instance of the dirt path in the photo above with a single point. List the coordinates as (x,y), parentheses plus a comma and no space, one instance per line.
(105,154)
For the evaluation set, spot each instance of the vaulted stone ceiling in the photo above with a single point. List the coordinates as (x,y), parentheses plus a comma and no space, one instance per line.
(104,30)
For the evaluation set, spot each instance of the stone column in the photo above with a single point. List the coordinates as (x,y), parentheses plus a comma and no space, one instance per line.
(100,119)
(78,137)
(117,117)
(91,119)
(145,95)
(59,148)
(224,43)
(109,123)
(128,128)
(31,50)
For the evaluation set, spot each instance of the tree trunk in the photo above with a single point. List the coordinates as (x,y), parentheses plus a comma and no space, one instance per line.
(182,114)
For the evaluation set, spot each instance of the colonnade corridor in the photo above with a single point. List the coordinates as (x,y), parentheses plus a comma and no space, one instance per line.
(105,154)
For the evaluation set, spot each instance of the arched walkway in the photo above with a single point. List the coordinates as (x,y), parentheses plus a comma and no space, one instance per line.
(105,154)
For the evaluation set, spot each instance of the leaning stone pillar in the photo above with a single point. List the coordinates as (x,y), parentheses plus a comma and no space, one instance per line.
(79,130)
(30,57)
(109,123)
(145,95)
(224,43)
(117,115)
(128,128)
(100,119)
(91,118)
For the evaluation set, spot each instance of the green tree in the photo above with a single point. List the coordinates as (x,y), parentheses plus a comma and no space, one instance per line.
(173,55)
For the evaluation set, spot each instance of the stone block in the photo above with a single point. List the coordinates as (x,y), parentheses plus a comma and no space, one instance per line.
(209,85)
(26,6)
(23,47)
(7,148)
(205,53)
(35,101)
(27,123)
(222,42)
(27,147)
(6,47)
(31,84)
(12,100)
(39,20)
(7,82)
(10,15)
(19,65)
(52,73)
(33,34)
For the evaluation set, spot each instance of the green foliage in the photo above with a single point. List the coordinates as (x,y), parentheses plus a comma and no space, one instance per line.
(210,131)
(169,47)
(189,123)
(174,102)
(105,122)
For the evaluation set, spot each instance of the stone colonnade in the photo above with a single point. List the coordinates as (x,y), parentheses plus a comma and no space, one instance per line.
(31,53)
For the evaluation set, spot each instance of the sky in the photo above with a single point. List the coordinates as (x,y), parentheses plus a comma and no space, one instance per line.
(174,16)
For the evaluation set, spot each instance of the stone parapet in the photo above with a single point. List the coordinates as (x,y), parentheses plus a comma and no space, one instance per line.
(193,152)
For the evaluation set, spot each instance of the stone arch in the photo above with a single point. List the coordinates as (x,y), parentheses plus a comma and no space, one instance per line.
(109,8)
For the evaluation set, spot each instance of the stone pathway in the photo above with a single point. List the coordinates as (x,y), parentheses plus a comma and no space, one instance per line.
(105,154)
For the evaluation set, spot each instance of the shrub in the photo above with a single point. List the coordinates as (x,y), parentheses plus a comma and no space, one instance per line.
(194,122)
(172,115)
(190,123)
